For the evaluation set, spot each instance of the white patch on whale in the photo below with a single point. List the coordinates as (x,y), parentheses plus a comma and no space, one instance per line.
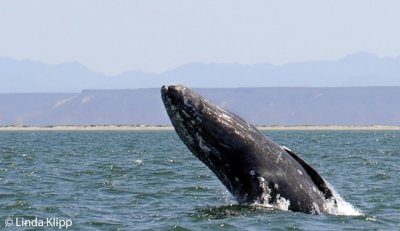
(280,203)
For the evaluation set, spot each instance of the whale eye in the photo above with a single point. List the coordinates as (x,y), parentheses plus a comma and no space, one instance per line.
(252,172)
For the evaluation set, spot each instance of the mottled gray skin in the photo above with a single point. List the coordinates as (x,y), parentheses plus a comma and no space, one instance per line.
(252,167)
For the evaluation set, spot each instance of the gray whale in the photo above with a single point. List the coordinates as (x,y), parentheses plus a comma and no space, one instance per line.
(251,166)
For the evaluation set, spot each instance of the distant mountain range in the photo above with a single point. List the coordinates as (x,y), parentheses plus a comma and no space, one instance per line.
(361,69)
(260,106)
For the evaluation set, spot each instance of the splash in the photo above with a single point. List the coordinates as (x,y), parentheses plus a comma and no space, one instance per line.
(342,208)
(137,162)
(280,204)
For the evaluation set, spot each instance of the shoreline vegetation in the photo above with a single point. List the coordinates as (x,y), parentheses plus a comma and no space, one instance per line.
(170,128)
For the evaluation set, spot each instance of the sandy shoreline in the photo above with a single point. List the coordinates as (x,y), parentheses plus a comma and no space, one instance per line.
(170,128)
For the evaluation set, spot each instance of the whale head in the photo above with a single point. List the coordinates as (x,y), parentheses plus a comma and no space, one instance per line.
(217,137)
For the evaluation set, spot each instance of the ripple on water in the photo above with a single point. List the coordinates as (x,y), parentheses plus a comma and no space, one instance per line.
(149,180)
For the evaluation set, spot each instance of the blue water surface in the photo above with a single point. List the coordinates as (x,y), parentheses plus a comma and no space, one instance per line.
(137,180)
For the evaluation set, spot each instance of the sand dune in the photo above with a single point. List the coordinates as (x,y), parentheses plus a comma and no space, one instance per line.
(170,128)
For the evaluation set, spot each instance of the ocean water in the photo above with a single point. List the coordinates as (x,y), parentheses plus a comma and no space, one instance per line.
(150,181)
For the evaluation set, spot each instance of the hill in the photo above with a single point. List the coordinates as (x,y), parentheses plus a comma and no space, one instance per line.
(262,106)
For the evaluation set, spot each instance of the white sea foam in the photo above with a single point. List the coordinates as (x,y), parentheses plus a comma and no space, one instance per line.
(137,162)
(281,203)
(342,207)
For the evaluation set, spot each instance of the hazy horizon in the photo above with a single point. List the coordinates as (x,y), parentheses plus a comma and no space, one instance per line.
(196,62)
(359,69)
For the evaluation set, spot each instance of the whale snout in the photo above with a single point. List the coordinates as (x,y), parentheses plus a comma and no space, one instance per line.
(180,102)
(172,90)
(173,94)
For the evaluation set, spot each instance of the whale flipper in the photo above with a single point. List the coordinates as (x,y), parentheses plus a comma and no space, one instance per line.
(317,179)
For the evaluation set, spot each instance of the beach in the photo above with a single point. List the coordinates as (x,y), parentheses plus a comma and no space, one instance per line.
(170,128)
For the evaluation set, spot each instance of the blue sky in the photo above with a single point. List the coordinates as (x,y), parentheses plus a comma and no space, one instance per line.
(158,35)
